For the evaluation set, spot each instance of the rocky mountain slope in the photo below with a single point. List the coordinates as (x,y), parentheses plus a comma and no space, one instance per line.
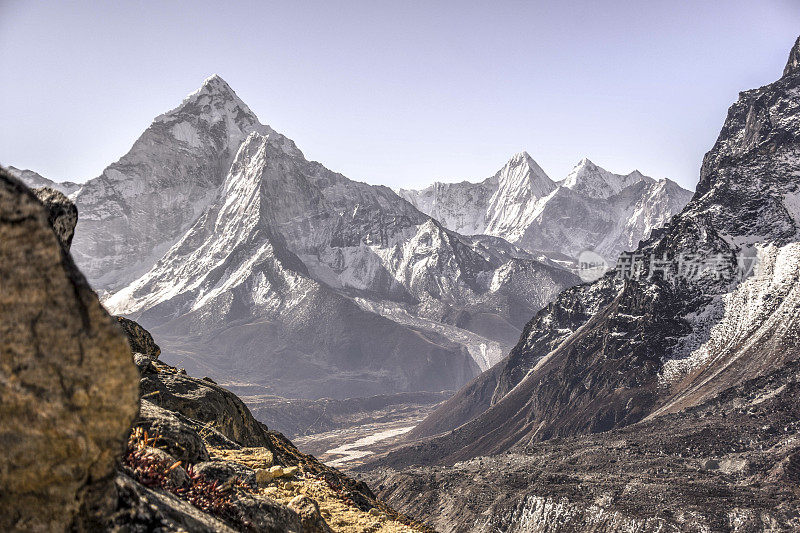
(78,457)
(590,209)
(729,464)
(198,460)
(704,313)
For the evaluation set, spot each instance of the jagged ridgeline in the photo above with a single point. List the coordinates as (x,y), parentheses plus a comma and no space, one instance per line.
(590,209)
(99,438)
(252,263)
(661,397)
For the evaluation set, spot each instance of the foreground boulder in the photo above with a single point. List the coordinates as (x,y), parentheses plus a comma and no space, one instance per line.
(68,386)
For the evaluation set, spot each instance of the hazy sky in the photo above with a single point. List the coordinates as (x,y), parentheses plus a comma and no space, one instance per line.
(399,93)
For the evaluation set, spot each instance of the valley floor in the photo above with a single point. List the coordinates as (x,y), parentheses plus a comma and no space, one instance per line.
(349,447)
(345,433)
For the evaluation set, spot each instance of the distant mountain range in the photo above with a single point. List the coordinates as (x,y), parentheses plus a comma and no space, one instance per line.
(255,265)
(33,179)
(591,209)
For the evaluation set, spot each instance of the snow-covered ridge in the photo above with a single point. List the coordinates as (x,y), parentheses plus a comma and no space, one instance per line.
(595,182)
(34,180)
(590,209)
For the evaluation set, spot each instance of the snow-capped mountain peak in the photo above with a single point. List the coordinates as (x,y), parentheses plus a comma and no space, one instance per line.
(472,208)
(214,103)
(638,176)
(215,93)
(166,180)
(521,185)
(591,208)
(523,176)
(597,182)
(522,157)
(214,84)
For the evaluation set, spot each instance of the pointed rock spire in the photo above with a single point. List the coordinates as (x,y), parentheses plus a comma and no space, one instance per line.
(214,84)
(522,173)
(793,64)
(521,157)
(215,100)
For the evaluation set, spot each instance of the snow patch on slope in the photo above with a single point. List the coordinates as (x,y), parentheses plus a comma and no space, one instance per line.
(729,323)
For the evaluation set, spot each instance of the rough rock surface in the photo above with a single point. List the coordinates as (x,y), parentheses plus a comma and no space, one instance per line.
(62,213)
(206,403)
(142,509)
(68,386)
(139,338)
(173,432)
(310,517)
(725,465)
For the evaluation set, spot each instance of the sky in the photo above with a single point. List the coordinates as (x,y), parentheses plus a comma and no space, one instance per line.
(395,92)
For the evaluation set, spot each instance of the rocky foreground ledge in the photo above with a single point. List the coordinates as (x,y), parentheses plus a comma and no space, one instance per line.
(198,460)
(99,435)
